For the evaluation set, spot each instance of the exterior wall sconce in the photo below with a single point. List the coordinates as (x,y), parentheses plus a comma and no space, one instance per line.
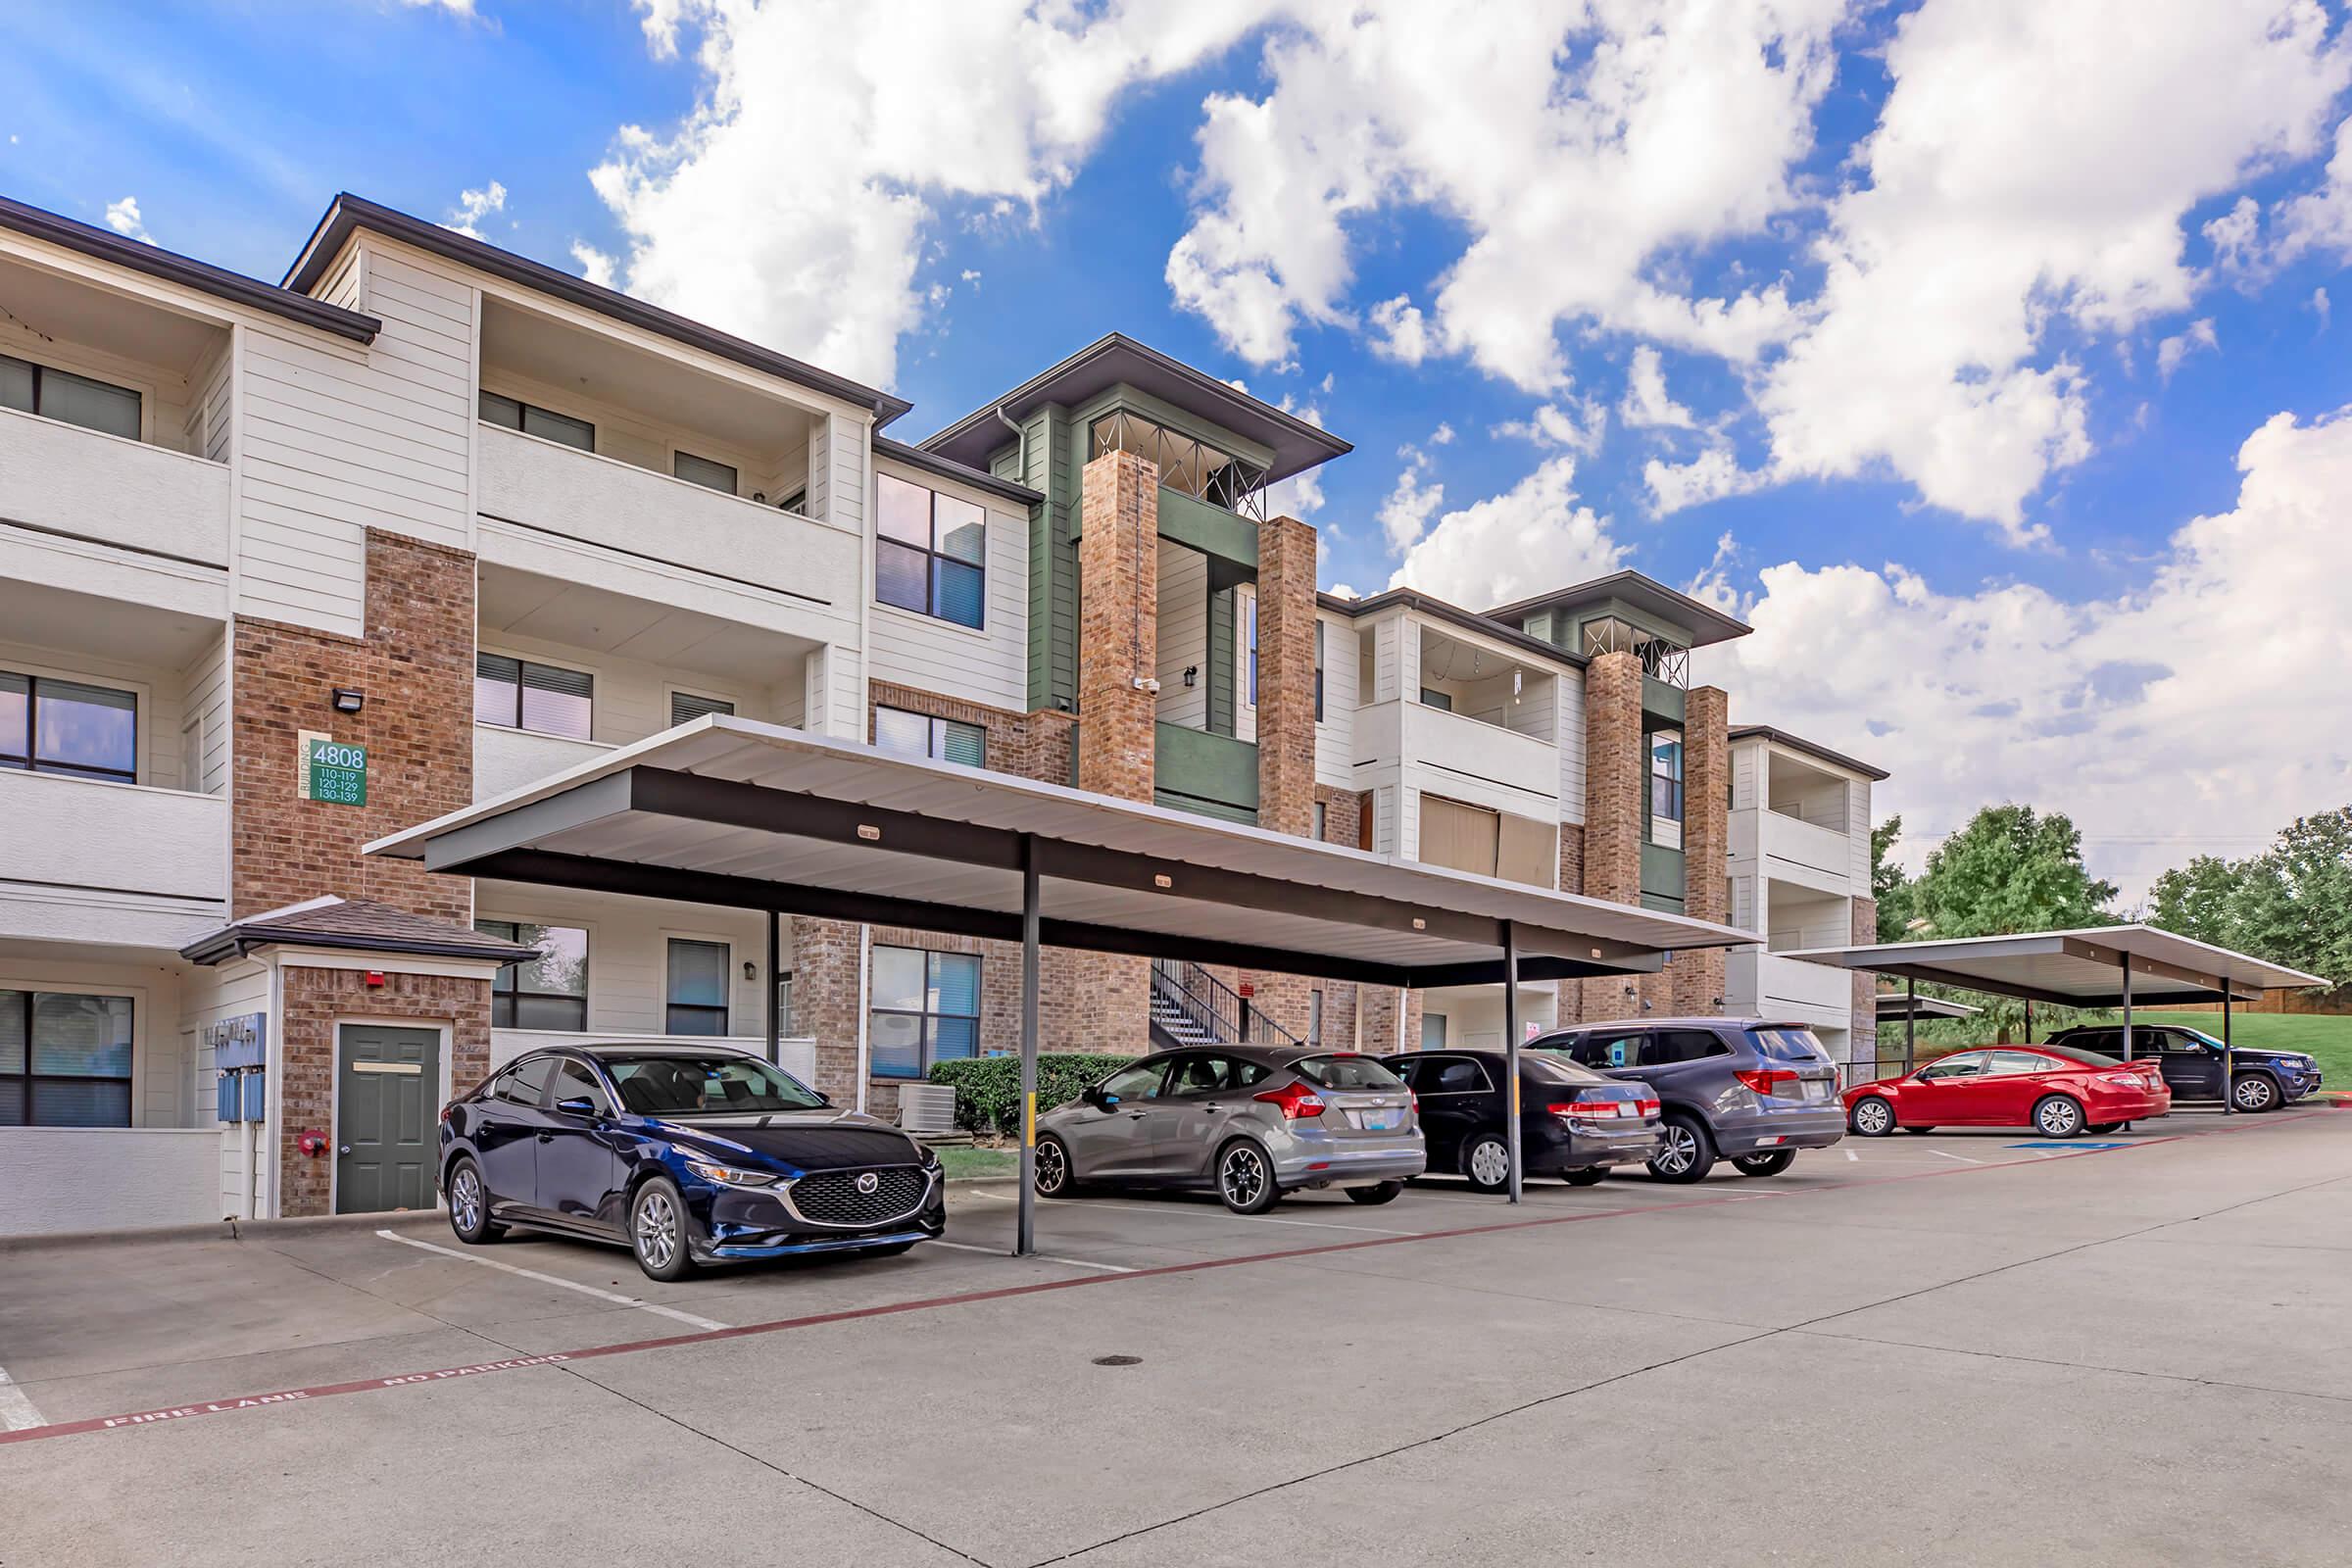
(349,699)
(751,970)
(1192,676)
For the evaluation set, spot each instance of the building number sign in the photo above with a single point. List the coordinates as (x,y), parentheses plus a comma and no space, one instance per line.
(334,772)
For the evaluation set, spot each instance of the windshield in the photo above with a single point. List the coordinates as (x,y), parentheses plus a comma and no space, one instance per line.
(712,1085)
(1346,1072)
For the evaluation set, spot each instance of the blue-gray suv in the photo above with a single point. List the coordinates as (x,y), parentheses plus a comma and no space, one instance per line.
(1752,1091)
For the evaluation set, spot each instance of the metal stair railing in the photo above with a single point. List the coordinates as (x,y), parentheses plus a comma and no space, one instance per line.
(1215,1007)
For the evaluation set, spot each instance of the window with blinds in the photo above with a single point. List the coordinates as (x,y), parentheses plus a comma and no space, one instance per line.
(517,694)
(685,707)
(945,740)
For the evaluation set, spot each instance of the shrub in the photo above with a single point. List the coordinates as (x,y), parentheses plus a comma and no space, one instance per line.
(988,1089)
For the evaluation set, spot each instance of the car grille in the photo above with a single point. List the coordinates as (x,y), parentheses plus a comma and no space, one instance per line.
(832,1198)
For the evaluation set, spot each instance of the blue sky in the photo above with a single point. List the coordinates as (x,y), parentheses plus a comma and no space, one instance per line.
(1948,342)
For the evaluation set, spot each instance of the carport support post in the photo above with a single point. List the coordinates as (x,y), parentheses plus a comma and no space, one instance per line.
(2228,1105)
(775,990)
(1025,1233)
(2126,1006)
(1510,1045)
(1910,1020)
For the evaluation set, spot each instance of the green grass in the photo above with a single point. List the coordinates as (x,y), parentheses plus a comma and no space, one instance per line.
(965,1164)
(2329,1040)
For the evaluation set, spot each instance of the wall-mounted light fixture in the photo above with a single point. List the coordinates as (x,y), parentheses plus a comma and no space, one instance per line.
(751,970)
(1192,676)
(349,699)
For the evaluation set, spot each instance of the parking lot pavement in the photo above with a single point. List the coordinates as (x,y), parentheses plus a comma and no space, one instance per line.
(1952,1349)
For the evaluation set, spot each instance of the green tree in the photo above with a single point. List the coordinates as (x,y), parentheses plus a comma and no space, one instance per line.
(2197,900)
(2291,904)
(1889,885)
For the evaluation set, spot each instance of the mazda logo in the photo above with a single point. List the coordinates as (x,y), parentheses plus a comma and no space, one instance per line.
(869,1183)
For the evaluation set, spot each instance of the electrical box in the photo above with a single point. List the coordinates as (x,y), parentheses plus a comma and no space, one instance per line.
(244,1095)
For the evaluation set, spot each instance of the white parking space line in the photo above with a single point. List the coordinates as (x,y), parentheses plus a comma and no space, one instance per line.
(615,1297)
(16,1410)
(1850,1155)
(1941,1155)
(1049,1258)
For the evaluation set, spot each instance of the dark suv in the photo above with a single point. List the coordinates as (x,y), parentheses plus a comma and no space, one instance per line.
(2191,1063)
(1752,1091)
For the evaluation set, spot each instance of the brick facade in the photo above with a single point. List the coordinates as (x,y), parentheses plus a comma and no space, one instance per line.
(416,665)
(1695,978)
(313,1000)
(1118,625)
(1342,824)
(1616,771)
(1286,730)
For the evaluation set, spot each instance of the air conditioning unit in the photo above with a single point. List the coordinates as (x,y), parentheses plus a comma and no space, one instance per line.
(927,1107)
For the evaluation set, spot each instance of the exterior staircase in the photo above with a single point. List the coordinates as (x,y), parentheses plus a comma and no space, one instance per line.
(1191,1008)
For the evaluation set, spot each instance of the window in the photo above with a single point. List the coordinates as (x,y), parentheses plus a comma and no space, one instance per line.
(673,1085)
(573,1081)
(930,551)
(530,420)
(685,707)
(798,502)
(1249,608)
(2006,1064)
(1318,672)
(65,1059)
(71,399)
(1433,1031)
(1457,1076)
(926,1009)
(719,476)
(1139,1082)
(1966,1065)
(1322,822)
(65,726)
(523,1083)
(1346,1071)
(907,733)
(1668,1047)
(1666,788)
(698,987)
(517,694)
(549,991)
(1211,1075)
(784,1006)
(1430,697)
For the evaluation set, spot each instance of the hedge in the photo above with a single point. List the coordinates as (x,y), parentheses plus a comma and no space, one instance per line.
(988,1089)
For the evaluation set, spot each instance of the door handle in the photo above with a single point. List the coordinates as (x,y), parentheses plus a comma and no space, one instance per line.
(1135,1115)
(345,1149)
(546,1137)
(1211,1110)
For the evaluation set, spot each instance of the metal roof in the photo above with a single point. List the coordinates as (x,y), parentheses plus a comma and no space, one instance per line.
(1812,749)
(949,468)
(1893,1007)
(1114,358)
(731,811)
(1707,624)
(2078,968)
(357,923)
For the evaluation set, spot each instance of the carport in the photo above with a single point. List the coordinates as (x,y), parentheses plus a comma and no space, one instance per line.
(2099,966)
(733,813)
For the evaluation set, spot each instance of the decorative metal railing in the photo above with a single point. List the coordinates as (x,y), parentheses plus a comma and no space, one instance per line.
(1660,658)
(1221,1012)
(1185,463)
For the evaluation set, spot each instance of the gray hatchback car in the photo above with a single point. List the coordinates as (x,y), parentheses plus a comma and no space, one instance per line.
(1249,1122)
(1752,1091)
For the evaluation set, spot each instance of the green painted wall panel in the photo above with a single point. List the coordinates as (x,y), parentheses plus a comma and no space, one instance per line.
(1212,530)
(1201,767)
(1661,702)
(1662,873)
(1220,663)
(1243,814)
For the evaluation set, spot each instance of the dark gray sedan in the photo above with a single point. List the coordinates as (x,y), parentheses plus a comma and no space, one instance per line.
(1251,1123)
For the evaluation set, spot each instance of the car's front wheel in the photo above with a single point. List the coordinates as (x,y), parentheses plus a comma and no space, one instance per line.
(1245,1178)
(1486,1161)
(2254,1094)
(1054,1178)
(657,1231)
(1376,1193)
(1589,1176)
(1769,1163)
(1871,1117)
(470,1204)
(1687,1152)
(2058,1116)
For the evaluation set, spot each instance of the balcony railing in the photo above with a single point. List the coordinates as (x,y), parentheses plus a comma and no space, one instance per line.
(506,760)
(1661,660)
(1485,750)
(148,865)
(91,485)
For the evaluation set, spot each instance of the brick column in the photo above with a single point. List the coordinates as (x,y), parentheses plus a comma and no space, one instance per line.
(1697,975)
(1377,1032)
(1118,625)
(1286,676)
(1615,775)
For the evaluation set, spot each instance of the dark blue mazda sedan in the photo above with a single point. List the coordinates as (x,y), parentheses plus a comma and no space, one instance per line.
(683,1155)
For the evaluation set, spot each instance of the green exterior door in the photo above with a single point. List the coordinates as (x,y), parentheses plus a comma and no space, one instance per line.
(386,1083)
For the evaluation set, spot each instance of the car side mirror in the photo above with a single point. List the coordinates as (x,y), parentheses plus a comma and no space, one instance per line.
(1099,1100)
(581,1106)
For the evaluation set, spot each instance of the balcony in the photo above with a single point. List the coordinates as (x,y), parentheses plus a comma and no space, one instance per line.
(108,489)
(1794,850)
(1469,747)
(1769,984)
(119,863)
(508,760)
(1198,770)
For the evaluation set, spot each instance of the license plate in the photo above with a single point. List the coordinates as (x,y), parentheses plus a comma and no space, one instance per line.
(1816,1090)
(1379,1121)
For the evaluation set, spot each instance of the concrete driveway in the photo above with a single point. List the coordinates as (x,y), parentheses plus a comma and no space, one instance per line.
(1965,1350)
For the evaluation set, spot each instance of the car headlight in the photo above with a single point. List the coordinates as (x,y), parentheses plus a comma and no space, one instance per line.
(930,1157)
(730,1176)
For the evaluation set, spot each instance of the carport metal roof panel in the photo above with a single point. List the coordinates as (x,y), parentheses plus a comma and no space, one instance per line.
(732,812)
(1893,1007)
(2078,968)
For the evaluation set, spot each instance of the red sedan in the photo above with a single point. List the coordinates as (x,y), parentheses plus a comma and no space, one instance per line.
(2055,1090)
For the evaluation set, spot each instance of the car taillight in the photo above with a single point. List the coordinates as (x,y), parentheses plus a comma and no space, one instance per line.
(2129,1080)
(1600,1107)
(1767,1081)
(1295,1100)
(1647,1109)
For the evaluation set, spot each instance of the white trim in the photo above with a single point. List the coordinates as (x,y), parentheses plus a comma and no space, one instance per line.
(293,954)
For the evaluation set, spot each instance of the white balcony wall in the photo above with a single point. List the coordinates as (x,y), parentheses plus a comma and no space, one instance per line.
(1798,852)
(1335,732)
(508,759)
(115,491)
(96,861)
(1478,763)
(628,952)
(152,1176)
(1767,983)
(988,663)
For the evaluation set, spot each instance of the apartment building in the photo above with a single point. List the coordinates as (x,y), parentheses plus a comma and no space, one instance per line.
(285,569)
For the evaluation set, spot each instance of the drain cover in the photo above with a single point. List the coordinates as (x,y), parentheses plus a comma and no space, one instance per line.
(1118,1361)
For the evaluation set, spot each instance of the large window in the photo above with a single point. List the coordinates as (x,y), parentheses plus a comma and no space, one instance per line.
(65,1059)
(1666,788)
(517,694)
(945,740)
(926,1009)
(549,991)
(74,399)
(532,420)
(685,707)
(719,476)
(698,987)
(67,726)
(931,552)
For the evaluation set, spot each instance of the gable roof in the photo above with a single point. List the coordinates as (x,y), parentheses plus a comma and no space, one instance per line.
(363,923)
(1797,743)
(347,213)
(1707,624)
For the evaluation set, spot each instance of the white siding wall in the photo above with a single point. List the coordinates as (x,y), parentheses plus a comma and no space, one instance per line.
(1857,828)
(1568,688)
(989,664)
(210,995)
(1183,636)
(631,698)
(628,950)
(836,490)
(204,702)
(1335,736)
(630,436)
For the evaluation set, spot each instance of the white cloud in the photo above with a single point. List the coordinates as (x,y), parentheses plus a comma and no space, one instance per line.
(2319,307)
(1442,435)
(2321,219)
(2033,165)
(790,206)
(475,205)
(2008,692)
(1647,405)
(2236,237)
(123,218)
(462,9)
(1710,476)
(1405,515)
(1302,493)
(1577,424)
(2173,350)
(594,266)
(1532,537)
(1597,137)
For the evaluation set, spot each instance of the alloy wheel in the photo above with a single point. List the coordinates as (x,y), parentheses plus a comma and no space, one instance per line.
(1051,1168)
(657,1229)
(2060,1119)
(1680,1151)
(2252,1094)
(1873,1118)
(1242,1176)
(466,1200)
